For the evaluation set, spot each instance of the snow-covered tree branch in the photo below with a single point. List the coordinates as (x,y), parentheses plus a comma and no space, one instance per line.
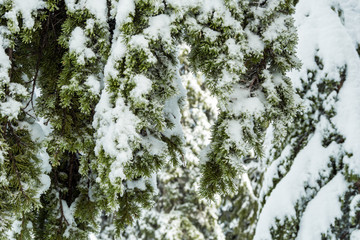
(112,110)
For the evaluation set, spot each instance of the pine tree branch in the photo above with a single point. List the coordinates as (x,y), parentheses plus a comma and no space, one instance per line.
(18,176)
(13,161)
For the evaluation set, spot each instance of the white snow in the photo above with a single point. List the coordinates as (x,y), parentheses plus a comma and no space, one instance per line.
(120,121)
(118,50)
(26,9)
(226,79)
(139,184)
(319,27)
(275,29)
(154,145)
(310,161)
(96,7)
(241,102)
(4,58)
(234,49)
(16,227)
(17,89)
(322,210)
(139,41)
(69,216)
(77,44)
(348,112)
(159,26)
(124,9)
(45,185)
(355,235)
(183,5)
(210,34)
(143,86)
(172,108)
(354,205)
(271,171)
(255,42)
(351,18)
(117,169)
(92,236)
(45,165)
(234,131)
(94,84)
(116,129)
(323,33)
(210,5)
(11,108)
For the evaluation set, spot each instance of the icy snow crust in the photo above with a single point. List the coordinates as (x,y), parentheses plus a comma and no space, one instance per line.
(332,38)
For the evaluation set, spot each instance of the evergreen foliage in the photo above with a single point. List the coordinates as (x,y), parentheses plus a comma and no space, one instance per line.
(91,98)
(179,211)
(22,178)
(238,211)
(248,55)
(310,187)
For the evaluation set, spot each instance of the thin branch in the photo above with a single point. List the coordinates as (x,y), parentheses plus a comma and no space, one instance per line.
(37,68)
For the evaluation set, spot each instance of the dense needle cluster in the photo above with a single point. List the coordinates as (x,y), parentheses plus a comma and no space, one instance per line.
(91,99)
